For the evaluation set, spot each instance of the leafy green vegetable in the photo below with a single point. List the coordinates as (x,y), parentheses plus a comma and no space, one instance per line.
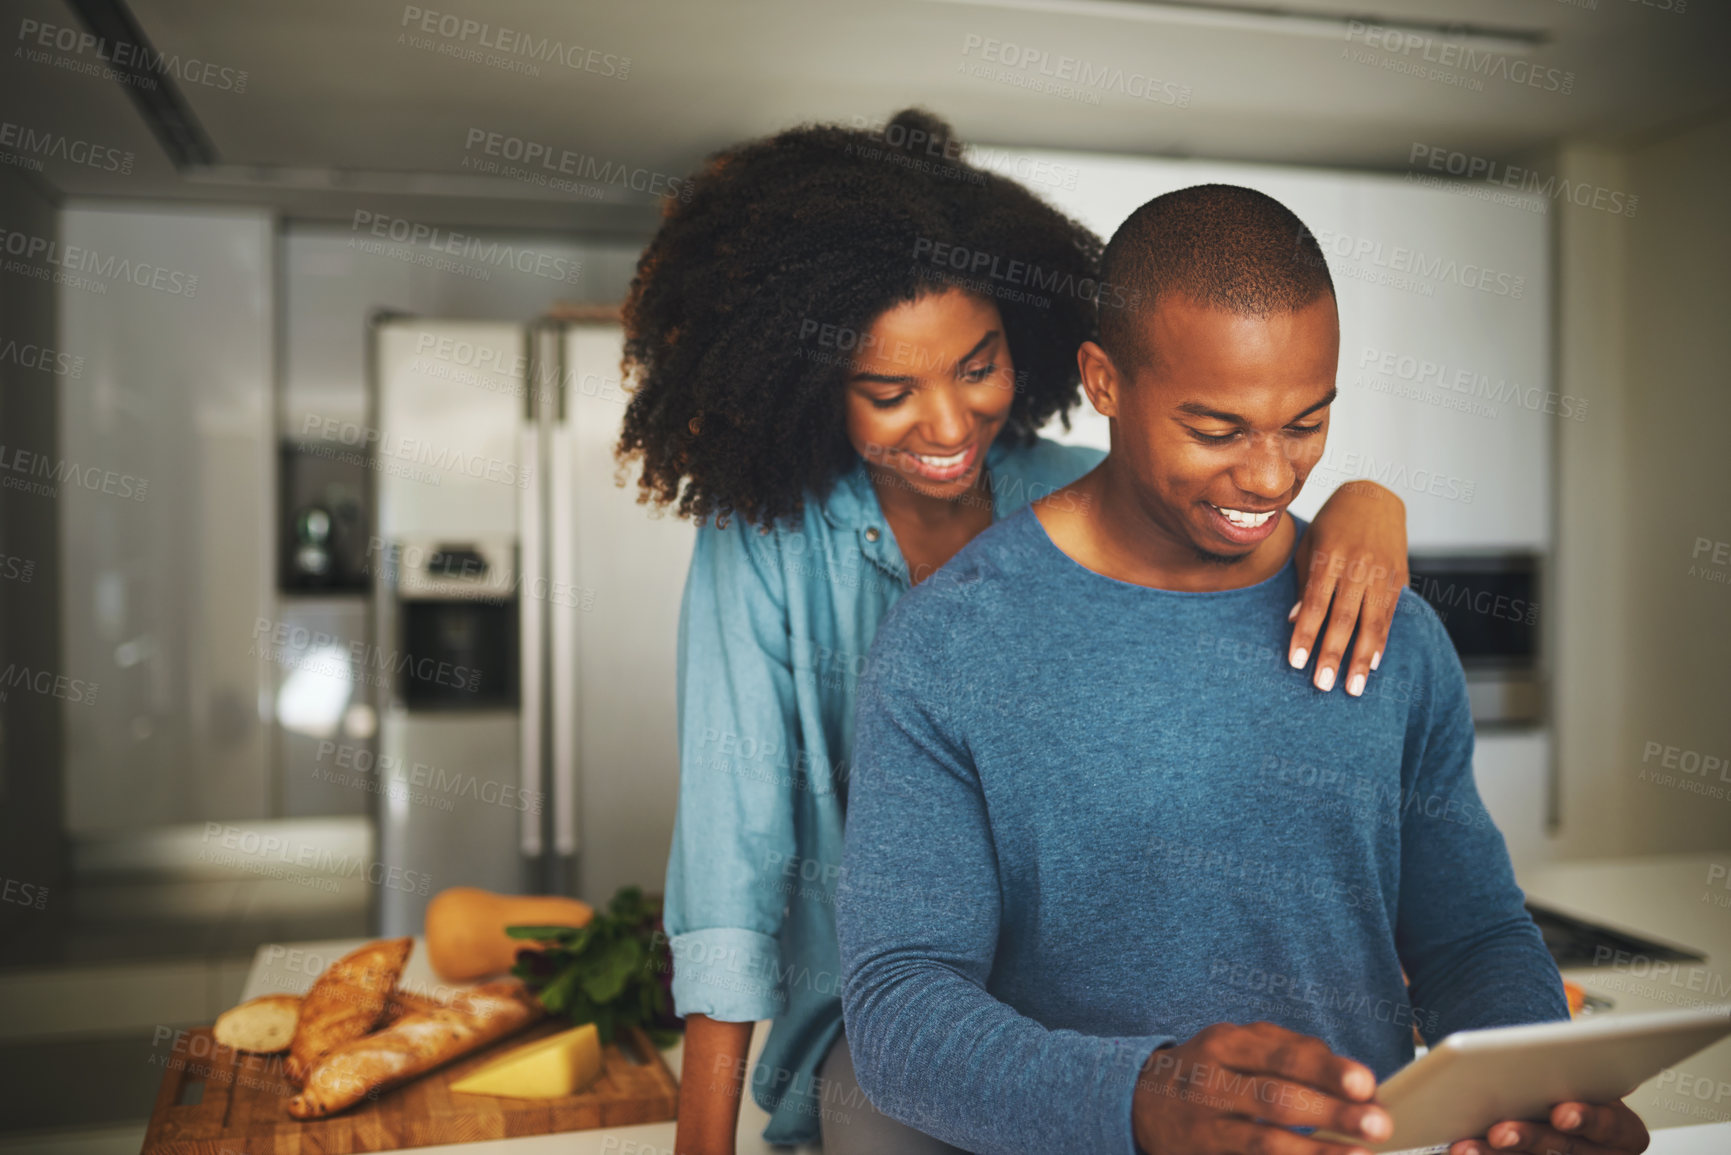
(616,972)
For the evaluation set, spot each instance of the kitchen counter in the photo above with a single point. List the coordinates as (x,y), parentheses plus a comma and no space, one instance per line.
(1681,900)
(1678,899)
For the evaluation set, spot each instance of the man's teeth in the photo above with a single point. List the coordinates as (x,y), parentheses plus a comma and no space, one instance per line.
(942,462)
(1245,520)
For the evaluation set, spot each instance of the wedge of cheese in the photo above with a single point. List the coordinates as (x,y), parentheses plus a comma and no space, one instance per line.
(551,1068)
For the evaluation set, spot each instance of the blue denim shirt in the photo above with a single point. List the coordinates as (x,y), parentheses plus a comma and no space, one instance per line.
(774,632)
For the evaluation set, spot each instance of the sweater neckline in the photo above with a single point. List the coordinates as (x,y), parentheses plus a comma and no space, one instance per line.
(1044,543)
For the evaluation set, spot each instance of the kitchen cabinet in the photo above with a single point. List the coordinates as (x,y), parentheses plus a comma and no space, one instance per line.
(1445,362)
(166,494)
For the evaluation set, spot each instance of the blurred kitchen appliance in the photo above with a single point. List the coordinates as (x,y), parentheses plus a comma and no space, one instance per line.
(500,528)
(1489,603)
(321,502)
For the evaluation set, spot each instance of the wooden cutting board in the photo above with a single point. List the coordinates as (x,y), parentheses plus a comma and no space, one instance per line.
(217,1101)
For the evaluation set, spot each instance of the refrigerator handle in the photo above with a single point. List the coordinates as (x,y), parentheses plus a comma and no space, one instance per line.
(563,602)
(531,626)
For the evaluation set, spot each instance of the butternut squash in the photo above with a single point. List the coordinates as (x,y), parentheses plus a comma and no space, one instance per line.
(466,936)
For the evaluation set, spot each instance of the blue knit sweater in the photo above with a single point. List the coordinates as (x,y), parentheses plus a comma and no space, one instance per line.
(1089,818)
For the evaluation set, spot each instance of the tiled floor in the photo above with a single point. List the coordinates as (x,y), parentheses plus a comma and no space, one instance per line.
(87,997)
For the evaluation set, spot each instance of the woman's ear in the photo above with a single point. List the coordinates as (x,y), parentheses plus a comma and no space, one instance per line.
(1100,379)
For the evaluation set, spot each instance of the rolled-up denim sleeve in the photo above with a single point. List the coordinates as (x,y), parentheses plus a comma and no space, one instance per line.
(737,743)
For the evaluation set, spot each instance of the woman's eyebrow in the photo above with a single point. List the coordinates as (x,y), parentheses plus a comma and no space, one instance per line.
(991,334)
(900,379)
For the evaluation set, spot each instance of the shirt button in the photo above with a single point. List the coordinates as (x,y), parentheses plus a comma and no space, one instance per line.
(872,533)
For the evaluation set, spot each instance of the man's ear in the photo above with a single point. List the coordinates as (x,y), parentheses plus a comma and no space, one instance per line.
(1100,379)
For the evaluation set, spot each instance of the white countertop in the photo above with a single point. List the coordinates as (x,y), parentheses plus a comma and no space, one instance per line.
(1670,899)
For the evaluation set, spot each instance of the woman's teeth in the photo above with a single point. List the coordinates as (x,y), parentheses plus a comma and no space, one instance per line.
(1245,520)
(941,462)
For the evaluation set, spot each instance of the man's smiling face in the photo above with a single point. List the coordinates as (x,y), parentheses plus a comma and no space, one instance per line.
(1222,418)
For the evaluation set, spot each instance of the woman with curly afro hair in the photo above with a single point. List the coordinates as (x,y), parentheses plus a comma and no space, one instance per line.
(842,344)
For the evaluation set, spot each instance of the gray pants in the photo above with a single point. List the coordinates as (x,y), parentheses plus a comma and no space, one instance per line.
(852,1126)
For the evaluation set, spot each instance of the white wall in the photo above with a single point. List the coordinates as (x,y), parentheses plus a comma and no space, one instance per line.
(1646,643)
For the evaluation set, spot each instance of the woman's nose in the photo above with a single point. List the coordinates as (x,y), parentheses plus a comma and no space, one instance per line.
(946,420)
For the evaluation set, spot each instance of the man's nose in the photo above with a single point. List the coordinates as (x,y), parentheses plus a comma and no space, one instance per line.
(1266,469)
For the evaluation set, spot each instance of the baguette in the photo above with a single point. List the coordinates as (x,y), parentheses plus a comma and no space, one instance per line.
(345,1002)
(266,1025)
(403,1003)
(262,1026)
(413,1045)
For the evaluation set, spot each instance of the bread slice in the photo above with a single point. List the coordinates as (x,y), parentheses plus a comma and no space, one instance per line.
(345,1002)
(413,1045)
(264,1025)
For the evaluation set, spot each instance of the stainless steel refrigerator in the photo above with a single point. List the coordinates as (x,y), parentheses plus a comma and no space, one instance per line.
(524,614)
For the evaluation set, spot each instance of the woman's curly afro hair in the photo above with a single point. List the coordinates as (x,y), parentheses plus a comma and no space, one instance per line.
(780,244)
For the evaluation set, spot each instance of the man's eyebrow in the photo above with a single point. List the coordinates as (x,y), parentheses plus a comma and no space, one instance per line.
(1197,409)
(1328,399)
(898,379)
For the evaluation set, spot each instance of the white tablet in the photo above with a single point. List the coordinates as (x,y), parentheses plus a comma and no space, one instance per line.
(1473,1079)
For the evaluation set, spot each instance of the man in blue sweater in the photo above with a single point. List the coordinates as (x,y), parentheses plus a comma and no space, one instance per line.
(1081,848)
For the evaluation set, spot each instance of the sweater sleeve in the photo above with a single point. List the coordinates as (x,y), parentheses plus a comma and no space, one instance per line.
(918,911)
(734,821)
(1471,951)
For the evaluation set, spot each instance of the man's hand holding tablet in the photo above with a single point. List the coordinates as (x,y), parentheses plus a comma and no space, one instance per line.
(1231,1088)
(1553,1088)
(1550,1088)
(1573,1129)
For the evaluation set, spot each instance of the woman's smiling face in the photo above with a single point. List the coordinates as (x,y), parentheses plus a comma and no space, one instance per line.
(929,390)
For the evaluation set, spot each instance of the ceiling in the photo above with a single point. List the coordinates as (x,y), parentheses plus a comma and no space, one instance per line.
(351,106)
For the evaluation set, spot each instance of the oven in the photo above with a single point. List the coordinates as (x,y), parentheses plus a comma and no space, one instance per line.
(1490,604)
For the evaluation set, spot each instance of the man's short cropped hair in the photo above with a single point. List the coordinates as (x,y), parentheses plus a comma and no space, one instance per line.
(1219,245)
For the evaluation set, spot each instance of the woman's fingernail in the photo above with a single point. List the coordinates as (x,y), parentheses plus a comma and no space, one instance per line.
(1299,657)
(1292,614)
(1376,659)
(1504,1138)
(1325,679)
(1377,1126)
(1356,687)
(1569,1119)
